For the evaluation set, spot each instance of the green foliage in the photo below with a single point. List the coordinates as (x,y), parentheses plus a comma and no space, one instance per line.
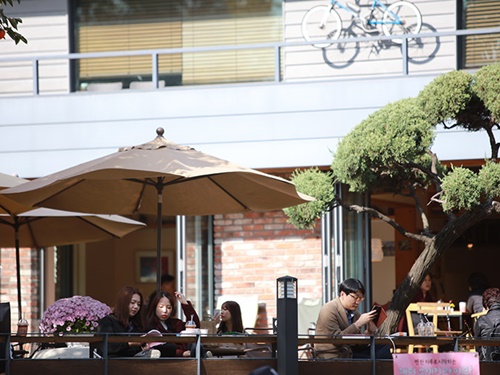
(10,24)
(487,88)
(459,98)
(461,190)
(377,152)
(317,184)
(489,180)
(446,97)
(391,148)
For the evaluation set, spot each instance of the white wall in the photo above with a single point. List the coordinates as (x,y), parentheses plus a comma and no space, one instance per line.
(361,59)
(255,125)
(263,125)
(45,25)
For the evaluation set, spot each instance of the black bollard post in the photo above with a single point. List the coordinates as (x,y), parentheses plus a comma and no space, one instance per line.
(287,330)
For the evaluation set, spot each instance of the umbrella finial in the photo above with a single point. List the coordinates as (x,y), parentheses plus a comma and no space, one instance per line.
(160,132)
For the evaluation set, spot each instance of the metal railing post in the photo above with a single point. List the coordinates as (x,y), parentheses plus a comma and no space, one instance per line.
(277,64)
(8,354)
(105,353)
(198,354)
(404,55)
(36,83)
(154,63)
(372,355)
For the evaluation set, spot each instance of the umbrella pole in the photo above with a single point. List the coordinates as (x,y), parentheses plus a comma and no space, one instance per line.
(159,220)
(18,269)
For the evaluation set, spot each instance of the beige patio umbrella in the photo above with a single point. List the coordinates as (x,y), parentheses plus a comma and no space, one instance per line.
(21,226)
(162,178)
(8,205)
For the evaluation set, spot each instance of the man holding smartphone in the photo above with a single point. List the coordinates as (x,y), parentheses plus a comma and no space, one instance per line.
(340,317)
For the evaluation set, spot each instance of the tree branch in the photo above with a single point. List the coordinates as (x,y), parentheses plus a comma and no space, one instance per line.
(423,216)
(493,142)
(379,215)
(429,172)
(455,125)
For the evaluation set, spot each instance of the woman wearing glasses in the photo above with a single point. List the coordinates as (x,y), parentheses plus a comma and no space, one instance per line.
(340,317)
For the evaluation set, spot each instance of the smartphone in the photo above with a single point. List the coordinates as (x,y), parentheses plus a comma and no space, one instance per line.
(378,309)
(216,315)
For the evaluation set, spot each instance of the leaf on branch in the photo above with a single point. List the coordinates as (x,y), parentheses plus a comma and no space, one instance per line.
(375,154)
(461,190)
(314,183)
(487,87)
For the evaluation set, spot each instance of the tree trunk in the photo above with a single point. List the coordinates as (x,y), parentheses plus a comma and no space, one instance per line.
(431,253)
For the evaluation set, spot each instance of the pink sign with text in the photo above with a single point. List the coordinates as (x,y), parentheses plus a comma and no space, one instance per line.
(453,363)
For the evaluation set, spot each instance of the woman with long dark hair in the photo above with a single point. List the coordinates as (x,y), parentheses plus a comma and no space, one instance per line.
(125,318)
(230,318)
(160,316)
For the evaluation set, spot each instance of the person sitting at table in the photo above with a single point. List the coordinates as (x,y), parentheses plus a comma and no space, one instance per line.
(478,283)
(230,323)
(167,284)
(488,325)
(125,318)
(423,294)
(230,318)
(340,317)
(160,316)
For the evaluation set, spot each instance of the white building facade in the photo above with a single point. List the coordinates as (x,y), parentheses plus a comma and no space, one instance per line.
(235,80)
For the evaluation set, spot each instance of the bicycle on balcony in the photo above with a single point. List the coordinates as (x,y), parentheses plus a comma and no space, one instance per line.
(323,22)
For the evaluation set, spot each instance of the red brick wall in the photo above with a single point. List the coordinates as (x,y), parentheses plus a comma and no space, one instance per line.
(253,249)
(29,284)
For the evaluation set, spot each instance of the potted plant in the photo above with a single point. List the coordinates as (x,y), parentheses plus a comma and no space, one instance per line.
(74,316)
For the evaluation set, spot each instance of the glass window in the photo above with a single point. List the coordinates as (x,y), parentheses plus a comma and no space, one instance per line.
(479,50)
(125,25)
(63,273)
(351,235)
(200,264)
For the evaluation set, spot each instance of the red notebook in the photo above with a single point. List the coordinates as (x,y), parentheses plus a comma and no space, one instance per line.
(380,316)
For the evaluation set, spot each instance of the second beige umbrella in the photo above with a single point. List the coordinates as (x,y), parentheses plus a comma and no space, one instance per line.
(162,178)
(22,226)
(44,227)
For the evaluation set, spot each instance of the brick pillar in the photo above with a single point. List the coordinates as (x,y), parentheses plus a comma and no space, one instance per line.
(30,285)
(253,249)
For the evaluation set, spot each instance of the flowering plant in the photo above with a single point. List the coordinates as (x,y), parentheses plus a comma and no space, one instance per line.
(77,314)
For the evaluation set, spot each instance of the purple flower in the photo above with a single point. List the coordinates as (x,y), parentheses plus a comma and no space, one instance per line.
(76,314)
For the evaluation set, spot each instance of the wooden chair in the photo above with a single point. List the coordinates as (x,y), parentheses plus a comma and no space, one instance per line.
(425,308)
(477,315)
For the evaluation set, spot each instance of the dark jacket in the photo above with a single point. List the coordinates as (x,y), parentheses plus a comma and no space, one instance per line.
(483,329)
(109,324)
(177,326)
(475,302)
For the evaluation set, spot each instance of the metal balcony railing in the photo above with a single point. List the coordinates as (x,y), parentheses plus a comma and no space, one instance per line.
(277,49)
(219,363)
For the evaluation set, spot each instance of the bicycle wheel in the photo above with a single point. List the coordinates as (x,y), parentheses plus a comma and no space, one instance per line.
(321,23)
(401,18)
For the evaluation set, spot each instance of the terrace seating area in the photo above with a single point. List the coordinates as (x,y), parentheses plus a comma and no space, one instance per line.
(219,364)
